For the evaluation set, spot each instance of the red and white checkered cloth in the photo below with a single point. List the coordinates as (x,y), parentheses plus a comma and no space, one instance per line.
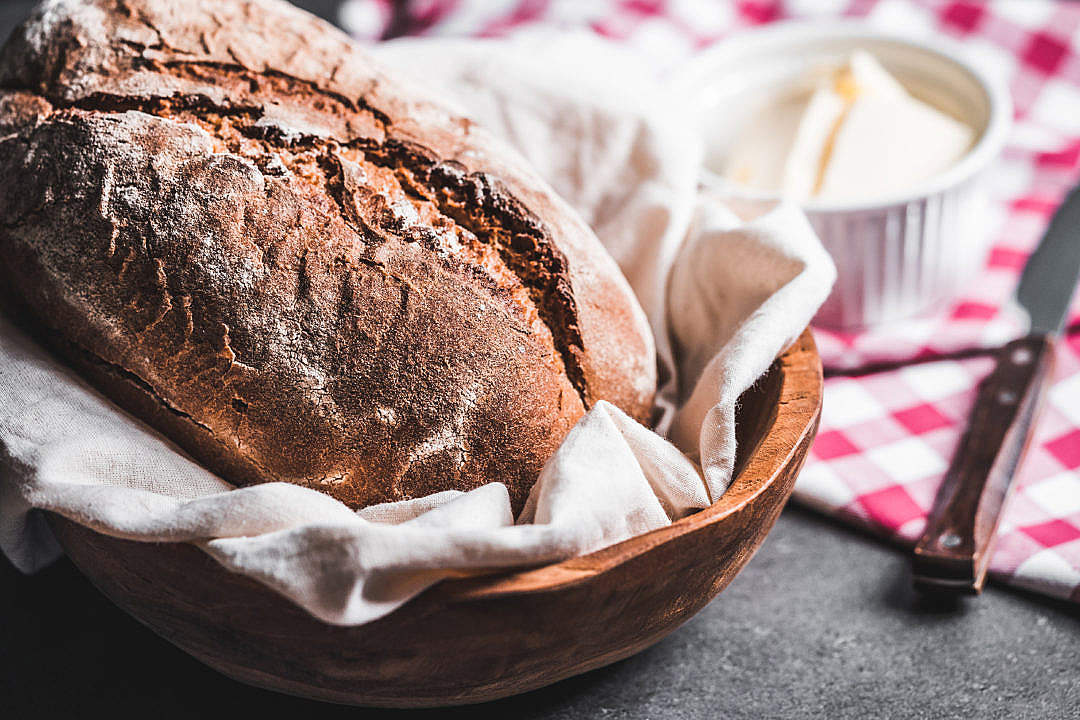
(887,437)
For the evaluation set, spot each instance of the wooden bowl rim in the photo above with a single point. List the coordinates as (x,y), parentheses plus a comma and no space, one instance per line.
(797,410)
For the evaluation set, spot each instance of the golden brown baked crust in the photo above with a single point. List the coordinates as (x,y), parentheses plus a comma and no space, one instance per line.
(239,228)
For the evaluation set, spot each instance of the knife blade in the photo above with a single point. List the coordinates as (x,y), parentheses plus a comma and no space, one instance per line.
(1048,281)
(953,553)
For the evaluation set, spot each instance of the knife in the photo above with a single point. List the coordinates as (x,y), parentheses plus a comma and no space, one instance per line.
(953,553)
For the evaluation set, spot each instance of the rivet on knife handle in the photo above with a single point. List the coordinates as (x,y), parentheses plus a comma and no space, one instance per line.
(954,550)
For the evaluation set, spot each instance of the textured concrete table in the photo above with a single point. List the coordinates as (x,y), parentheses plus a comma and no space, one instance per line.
(821,623)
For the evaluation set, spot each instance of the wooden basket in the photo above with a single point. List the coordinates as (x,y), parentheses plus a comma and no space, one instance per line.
(477,639)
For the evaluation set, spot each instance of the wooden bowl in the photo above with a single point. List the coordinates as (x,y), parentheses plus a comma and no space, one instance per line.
(477,639)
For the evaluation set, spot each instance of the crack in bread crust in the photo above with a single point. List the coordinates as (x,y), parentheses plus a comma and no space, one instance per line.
(472,200)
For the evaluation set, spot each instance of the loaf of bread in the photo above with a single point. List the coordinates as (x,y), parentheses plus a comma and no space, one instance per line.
(295,267)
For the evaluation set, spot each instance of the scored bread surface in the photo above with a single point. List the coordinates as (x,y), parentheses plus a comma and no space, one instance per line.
(226,217)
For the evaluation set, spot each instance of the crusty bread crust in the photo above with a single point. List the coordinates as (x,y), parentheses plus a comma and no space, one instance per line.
(240,229)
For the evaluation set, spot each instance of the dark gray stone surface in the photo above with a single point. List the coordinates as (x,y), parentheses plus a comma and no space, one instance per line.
(821,623)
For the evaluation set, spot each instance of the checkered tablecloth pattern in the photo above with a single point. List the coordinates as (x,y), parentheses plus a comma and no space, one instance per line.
(887,436)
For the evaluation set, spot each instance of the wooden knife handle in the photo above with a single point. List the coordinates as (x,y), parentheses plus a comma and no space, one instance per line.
(954,550)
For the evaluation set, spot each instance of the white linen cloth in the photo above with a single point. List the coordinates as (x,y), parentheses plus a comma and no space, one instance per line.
(600,128)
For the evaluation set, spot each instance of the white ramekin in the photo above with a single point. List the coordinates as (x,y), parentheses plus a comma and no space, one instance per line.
(896,257)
